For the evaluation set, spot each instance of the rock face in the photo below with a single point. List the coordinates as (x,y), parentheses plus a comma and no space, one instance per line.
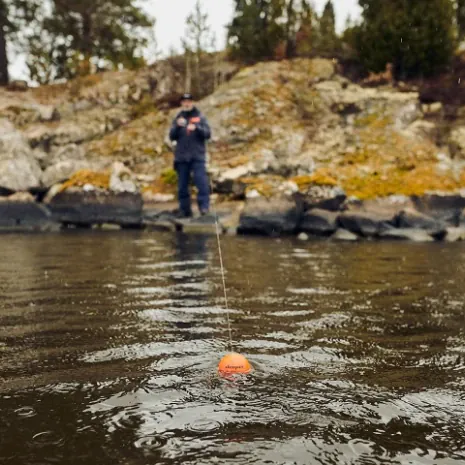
(19,170)
(270,218)
(81,208)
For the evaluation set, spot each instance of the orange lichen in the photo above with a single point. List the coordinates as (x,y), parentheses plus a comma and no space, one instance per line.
(83,177)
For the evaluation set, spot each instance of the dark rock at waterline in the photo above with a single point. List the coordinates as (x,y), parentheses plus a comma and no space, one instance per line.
(81,208)
(234,188)
(319,222)
(446,208)
(270,217)
(366,223)
(413,219)
(323,198)
(408,234)
(25,216)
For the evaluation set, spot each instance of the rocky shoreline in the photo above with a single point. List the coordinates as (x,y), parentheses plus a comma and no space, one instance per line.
(428,218)
(298,150)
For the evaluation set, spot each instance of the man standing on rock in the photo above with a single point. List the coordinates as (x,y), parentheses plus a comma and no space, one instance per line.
(190,130)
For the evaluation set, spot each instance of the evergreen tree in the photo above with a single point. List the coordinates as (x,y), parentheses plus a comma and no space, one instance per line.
(328,41)
(299,26)
(417,37)
(255,31)
(307,31)
(77,36)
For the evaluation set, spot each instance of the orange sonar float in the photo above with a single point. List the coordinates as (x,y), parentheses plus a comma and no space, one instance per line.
(234,363)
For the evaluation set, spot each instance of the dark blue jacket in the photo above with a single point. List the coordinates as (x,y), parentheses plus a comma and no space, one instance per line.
(190,145)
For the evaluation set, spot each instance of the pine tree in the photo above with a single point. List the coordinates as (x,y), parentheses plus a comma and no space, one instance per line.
(307,31)
(417,37)
(255,31)
(328,40)
(77,37)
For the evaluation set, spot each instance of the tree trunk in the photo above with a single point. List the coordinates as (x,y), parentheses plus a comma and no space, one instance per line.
(198,89)
(461,18)
(188,82)
(4,76)
(86,44)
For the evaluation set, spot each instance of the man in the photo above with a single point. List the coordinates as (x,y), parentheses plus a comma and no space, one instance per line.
(190,130)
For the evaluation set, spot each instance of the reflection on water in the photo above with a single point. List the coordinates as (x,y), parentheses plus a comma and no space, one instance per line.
(109,345)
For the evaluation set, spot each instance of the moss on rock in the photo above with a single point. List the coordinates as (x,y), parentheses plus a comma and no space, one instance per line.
(81,178)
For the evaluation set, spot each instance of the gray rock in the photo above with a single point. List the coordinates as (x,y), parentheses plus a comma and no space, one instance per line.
(65,153)
(455,234)
(344,235)
(121,179)
(366,223)
(77,207)
(457,142)
(446,207)
(319,222)
(21,215)
(303,236)
(409,234)
(62,171)
(410,218)
(234,188)
(270,217)
(325,198)
(20,174)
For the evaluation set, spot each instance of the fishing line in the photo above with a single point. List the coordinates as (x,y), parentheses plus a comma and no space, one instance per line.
(217,225)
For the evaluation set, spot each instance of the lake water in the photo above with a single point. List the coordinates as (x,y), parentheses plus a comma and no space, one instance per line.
(109,345)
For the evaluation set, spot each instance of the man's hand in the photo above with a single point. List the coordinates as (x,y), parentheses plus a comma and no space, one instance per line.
(191,127)
(181,121)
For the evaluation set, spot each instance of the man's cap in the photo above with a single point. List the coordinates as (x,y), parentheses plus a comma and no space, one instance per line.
(187,96)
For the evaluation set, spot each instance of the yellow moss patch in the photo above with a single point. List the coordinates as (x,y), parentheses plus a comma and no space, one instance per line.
(266,186)
(83,177)
(373,121)
(393,181)
(165,184)
(320,177)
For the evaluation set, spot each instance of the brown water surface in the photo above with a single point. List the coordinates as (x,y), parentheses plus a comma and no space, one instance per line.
(109,344)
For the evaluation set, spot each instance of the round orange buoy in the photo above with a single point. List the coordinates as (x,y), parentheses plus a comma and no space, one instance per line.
(234,363)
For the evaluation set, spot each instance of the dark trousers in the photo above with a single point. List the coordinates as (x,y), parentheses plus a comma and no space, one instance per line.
(199,172)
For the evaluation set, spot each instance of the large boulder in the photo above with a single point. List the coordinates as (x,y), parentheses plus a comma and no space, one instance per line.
(410,218)
(366,223)
(446,207)
(319,222)
(62,171)
(88,207)
(19,169)
(22,213)
(330,198)
(270,217)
